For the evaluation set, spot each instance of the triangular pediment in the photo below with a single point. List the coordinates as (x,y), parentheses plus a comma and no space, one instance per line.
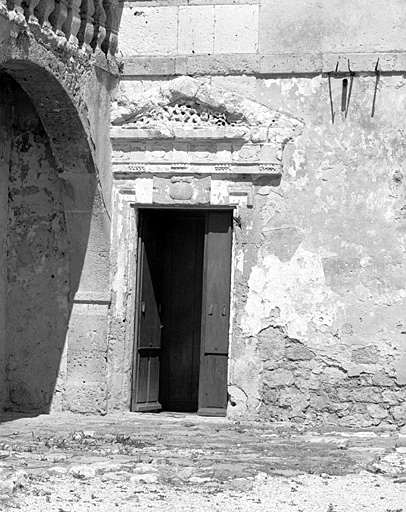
(186,103)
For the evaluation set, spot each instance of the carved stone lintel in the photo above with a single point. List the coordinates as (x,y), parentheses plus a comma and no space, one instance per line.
(181,190)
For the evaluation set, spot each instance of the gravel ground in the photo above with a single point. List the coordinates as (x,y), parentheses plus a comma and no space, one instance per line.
(304,493)
(163,463)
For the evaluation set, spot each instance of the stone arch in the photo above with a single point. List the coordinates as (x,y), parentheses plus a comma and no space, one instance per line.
(44,118)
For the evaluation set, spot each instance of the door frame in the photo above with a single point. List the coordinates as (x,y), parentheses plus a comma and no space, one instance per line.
(133,270)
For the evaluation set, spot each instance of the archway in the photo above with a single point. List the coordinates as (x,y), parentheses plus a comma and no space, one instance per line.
(48,191)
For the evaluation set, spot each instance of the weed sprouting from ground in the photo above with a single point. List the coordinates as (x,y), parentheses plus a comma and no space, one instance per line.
(129,441)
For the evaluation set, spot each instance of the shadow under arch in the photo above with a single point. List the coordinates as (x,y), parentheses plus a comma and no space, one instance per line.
(48,173)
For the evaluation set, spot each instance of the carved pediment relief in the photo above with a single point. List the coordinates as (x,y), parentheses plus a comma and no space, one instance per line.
(189,112)
(185,108)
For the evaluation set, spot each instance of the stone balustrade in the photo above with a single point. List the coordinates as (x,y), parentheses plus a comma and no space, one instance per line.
(89,24)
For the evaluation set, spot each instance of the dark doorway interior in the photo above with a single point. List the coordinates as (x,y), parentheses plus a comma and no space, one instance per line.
(175,270)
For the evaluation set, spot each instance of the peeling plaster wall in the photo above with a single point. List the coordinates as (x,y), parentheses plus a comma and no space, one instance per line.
(319,295)
(320,291)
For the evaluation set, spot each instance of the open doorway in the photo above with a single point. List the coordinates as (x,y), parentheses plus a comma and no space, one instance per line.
(182,311)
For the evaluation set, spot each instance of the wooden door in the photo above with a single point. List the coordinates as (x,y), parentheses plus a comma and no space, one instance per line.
(147,314)
(215,315)
(181,311)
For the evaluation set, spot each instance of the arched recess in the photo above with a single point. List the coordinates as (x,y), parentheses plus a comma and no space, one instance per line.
(53,234)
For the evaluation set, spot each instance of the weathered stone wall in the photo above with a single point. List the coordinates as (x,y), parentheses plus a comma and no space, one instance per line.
(320,295)
(261,36)
(38,281)
(318,329)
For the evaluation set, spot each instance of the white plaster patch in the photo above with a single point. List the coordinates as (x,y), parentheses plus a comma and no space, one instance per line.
(239,261)
(297,288)
(219,192)
(144,190)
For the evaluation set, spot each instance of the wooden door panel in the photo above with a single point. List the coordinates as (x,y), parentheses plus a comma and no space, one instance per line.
(216,315)
(213,395)
(151,278)
(217,296)
(148,322)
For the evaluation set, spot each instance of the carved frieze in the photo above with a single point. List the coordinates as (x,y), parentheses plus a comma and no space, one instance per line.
(194,157)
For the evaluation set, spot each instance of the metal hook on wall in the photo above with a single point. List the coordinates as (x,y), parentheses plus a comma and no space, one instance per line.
(331,99)
(331,93)
(378,75)
(352,74)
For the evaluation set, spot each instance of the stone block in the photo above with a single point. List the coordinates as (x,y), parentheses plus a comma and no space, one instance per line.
(85,397)
(88,327)
(88,366)
(289,63)
(90,273)
(298,352)
(148,30)
(401,371)
(78,191)
(227,64)
(365,355)
(236,29)
(279,378)
(289,27)
(196,29)
(88,230)
(320,401)
(399,413)
(149,66)
(377,411)
(368,394)
(383,26)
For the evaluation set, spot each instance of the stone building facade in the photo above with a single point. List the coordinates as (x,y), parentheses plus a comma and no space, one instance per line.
(289,119)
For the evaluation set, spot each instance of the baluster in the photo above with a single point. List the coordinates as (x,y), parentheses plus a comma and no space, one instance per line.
(113,10)
(85,34)
(99,25)
(72,23)
(17,6)
(43,10)
(58,16)
(29,7)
